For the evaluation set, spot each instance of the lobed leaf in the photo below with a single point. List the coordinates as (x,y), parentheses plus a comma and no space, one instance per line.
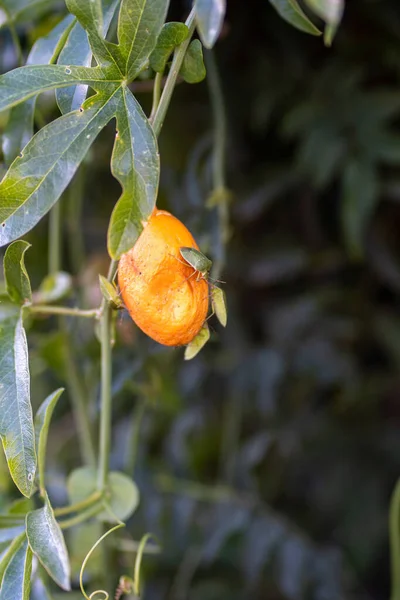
(16,580)
(17,281)
(291,12)
(42,424)
(16,422)
(139,26)
(209,19)
(36,180)
(47,542)
(193,69)
(19,129)
(77,51)
(171,36)
(135,163)
(26,82)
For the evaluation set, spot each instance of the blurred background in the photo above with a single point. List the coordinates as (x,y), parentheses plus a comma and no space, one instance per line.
(266,464)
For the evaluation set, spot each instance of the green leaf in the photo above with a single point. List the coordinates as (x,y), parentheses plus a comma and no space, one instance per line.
(291,12)
(106,54)
(42,424)
(16,423)
(7,534)
(19,129)
(16,277)
(77,51)
(330,11)
(16,582)
(193,69)
(209,19)
(171,36)
(35,181)
(139,26)
(359,198)
(47,543)
(26,82)
(123,495)
(10,552)
(53,288)
(135,163)
(198,343)
(39,590)
(218,302)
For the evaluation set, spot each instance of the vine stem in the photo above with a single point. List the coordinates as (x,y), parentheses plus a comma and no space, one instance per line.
(106,380)
(179,55)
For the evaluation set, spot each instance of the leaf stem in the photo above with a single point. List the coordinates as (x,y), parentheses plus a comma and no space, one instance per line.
(156,95)
(106,380)
(64,310)
(78,506)
(54,255)
(179,55)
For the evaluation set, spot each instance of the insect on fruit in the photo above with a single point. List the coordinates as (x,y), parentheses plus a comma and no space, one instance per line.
(196,259)
(157,287)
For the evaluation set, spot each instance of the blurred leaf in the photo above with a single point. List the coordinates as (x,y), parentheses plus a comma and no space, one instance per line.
(291,12)
(15,274)
(53,288)
(193,69)
(330,11)
(16,423)
(360,194)
(42,424)
(16,580)
(7,534)
(39,590)
(209,19)
(35,182)
(19,128)
(123,495)
(201,339)
(23,11)
(329,34)
(171,36)
(139,26)
(77,51)
(135,163)
(47,543)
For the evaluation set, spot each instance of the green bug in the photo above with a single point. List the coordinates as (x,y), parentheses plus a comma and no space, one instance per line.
(196,259)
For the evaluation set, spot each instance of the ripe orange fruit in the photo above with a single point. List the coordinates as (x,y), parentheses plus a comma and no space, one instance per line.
(158,287)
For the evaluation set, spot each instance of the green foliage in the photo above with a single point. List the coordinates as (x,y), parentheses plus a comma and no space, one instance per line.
(17,574)
(42,424)
(16,277)
(193,69)
(291,11)
(122,496)
(171,36)
(47,542)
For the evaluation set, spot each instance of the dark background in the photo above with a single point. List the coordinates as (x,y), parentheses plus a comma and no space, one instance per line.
(266,464)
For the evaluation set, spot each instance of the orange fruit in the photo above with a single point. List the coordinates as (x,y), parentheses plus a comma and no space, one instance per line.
(158,287)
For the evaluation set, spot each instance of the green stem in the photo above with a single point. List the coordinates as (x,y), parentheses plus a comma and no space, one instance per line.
(156,95)
(82,517)
(179,55)
(394,536)
(135,435)
(78,506)
(55,239)
(64,310)
(106,380)
(76,249)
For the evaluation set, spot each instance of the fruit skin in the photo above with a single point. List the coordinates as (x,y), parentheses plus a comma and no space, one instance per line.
(158,288)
